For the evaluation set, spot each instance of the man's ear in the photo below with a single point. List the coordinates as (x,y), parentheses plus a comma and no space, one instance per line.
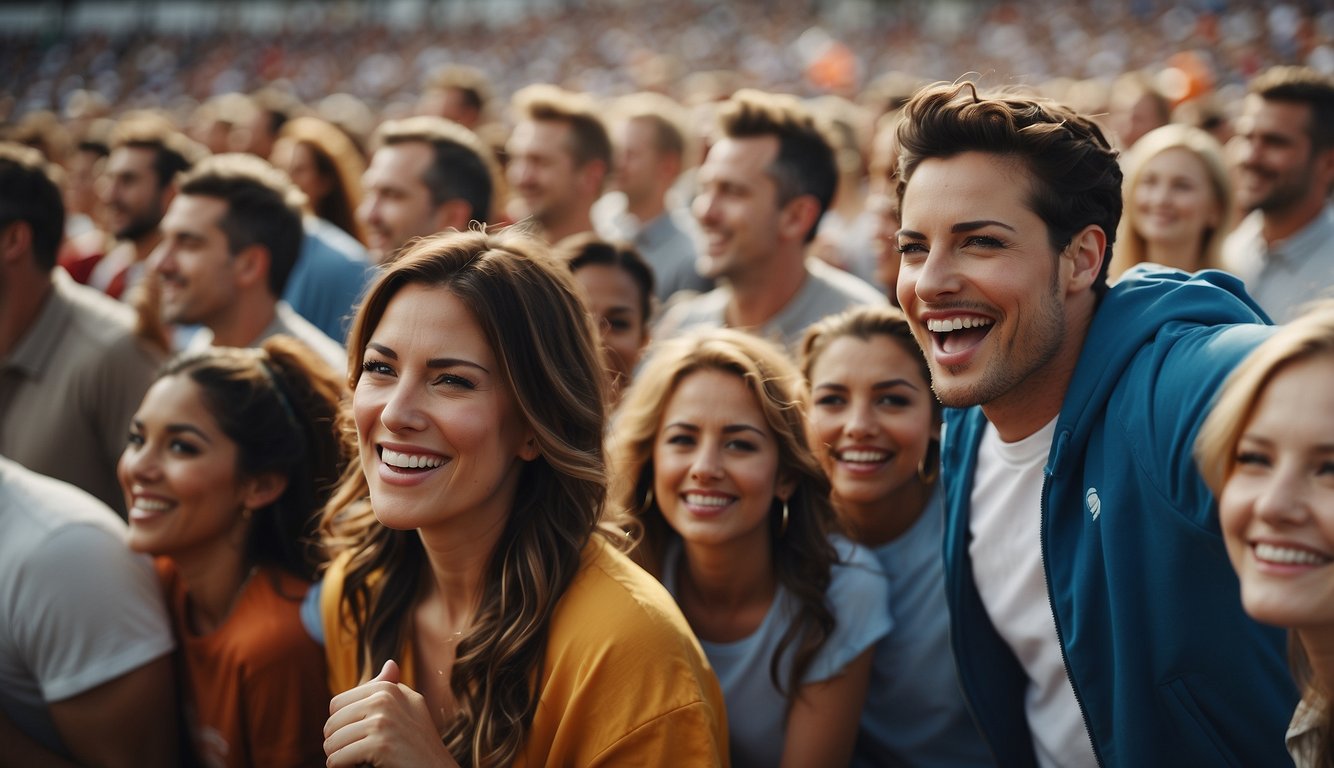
(251,266)
(16,241)
(453,214)
(592,176)
(797,217)
(165,197)
(1081,262)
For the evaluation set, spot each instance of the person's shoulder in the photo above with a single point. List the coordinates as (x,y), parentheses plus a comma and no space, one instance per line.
(36,506)
(834,280)
(609,583)
(324,240)
(700,310)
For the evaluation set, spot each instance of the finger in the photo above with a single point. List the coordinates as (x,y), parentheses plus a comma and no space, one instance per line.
(389,673)
(359,703)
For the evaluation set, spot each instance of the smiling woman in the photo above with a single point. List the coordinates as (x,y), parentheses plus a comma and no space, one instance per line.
(1267,451)
(227,463)
(732,513)
(469,567)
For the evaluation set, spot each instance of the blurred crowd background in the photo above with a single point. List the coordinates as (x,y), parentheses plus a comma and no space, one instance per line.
(360,62)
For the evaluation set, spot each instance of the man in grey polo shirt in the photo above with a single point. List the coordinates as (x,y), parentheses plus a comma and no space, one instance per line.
(72,368)
(1284,248)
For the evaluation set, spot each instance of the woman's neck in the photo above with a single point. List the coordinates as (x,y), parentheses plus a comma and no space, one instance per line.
(887,518)
(725,591)
(1318,644)
(1187,254)
(213,579)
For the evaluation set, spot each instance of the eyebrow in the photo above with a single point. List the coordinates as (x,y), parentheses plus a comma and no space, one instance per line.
(886,384)
(963,226)
(433,363)
(176,429)
(727,430)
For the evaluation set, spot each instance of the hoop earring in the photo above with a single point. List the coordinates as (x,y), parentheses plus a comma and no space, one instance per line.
(928,476)
(782,526)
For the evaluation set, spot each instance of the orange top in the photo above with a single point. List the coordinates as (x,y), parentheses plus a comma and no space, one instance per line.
(255,688)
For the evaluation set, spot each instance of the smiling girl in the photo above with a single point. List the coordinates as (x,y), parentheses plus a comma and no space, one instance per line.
(229,458)
(1267,451)
(876,426)
(734,517)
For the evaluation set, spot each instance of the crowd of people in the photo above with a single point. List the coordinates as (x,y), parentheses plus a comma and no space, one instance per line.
(950,426)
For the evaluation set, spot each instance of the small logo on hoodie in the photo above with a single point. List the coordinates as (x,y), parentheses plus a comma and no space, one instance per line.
(1093,502)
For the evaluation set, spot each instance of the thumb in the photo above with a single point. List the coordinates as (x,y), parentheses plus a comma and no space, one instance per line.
(388,673)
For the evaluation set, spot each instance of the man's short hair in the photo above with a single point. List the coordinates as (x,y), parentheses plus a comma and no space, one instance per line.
(805,161)
(552,104)
(463,169)
(1075,176)
(470,82)
(29,193)
(263,207)
(1302,85)
(173,151)
(663,114)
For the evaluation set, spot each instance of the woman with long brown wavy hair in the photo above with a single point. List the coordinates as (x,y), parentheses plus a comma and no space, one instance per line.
(468,566)
(732,513)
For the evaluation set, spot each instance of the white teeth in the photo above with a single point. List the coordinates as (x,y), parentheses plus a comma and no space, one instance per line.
(700,500)
(863,456)
(956,324)
(151,505)
(1288,556)
(410,460)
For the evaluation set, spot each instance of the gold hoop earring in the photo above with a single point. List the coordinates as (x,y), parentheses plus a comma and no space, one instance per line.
(928,476)
(782,526)
(648,502)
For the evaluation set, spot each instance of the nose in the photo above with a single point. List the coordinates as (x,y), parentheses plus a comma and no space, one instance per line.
(402,412)
(1282,500)
(934,277)
(163,258)
(139,463)
(369,210)
(703,207)
(707,464)
(861,422)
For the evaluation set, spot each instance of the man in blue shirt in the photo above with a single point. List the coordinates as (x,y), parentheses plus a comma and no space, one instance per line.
(1096,620)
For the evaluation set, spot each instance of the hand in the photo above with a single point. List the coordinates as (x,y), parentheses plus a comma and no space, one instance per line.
(383,723)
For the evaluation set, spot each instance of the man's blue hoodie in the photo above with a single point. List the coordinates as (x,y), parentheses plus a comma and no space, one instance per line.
(1167,667)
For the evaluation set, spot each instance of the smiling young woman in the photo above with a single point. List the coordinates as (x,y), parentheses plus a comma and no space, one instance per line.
(469,567)
(1267,451)
(732,512)
(228,461)
(876,426)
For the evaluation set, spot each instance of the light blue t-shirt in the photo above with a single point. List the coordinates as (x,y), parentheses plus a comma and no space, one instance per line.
(756,712)
(915,713)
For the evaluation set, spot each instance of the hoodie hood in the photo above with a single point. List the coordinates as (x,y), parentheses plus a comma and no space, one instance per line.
(1147,301)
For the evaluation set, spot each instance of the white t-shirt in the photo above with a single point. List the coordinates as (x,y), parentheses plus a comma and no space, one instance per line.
(1006,552)
(77,608)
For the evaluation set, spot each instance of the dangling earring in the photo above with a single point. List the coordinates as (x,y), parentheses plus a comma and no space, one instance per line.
(782,526)
(928,476)
(648,502)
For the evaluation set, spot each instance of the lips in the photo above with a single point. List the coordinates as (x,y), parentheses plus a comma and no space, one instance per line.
(144,508)
(1290,555)
(706,503)
(955,335)
(409,461)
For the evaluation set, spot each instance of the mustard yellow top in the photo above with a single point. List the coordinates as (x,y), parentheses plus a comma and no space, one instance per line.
(624,680)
